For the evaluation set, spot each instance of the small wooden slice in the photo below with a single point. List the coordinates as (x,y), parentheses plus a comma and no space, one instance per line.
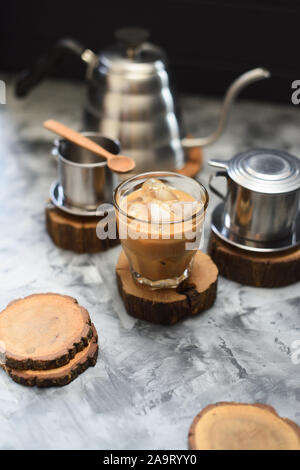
(43,331)
(255,269)
(62,375)
(194,162)
(75,233)
(168,306)
(240,426)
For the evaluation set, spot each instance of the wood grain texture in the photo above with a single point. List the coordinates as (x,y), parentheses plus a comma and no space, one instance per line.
(61,375)
(241,426)
(43,331)
(168,306)
(75,233)
(255,269)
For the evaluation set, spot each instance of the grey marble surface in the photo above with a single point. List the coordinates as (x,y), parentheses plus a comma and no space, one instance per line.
(149,381)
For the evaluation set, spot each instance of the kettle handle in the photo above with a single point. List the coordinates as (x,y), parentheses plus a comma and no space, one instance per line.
(31,77)
(235,88)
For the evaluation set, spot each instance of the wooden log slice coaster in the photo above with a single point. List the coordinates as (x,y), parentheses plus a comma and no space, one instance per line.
(255,269)
(43,331)
(62,375)
(194,162)
(75,233)
(240,426)
(168,306)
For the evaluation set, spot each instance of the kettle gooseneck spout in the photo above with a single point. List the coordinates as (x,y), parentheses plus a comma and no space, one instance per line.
(235,88)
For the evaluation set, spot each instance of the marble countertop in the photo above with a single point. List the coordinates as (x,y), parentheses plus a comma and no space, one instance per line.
(150,381)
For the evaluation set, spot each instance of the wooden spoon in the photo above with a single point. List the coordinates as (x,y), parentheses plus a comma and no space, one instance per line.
(117,163)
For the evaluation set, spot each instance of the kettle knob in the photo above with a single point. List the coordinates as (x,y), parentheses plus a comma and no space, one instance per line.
(132,38)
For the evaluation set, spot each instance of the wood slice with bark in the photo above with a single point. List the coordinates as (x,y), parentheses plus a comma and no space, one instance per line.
(241,426)
(62,375)
(75,233)
(193,163)
(255,269)
(43,331)
(168,306)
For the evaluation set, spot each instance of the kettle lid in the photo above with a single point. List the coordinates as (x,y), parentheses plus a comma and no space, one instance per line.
(266,171)
(133,53)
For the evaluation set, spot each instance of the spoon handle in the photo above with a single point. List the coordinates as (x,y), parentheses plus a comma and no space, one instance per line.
(76,138)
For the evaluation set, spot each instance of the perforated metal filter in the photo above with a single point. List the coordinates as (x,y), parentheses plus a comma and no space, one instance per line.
(266,171)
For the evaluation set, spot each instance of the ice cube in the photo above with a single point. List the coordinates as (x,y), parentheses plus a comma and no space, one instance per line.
(183,210)
(152,184)
(156,189)
(138,210)
(160,213)
(177,210)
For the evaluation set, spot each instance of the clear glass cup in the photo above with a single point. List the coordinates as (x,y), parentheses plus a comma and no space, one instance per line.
(160,251)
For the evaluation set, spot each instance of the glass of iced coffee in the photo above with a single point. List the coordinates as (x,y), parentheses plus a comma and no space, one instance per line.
(160,218)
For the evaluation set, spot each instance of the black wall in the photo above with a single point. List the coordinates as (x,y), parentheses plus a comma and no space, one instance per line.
(208,42)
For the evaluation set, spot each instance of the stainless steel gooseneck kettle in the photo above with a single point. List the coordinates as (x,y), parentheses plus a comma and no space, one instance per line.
(128,97)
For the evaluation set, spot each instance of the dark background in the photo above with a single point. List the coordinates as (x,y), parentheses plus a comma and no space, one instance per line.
(208,42)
